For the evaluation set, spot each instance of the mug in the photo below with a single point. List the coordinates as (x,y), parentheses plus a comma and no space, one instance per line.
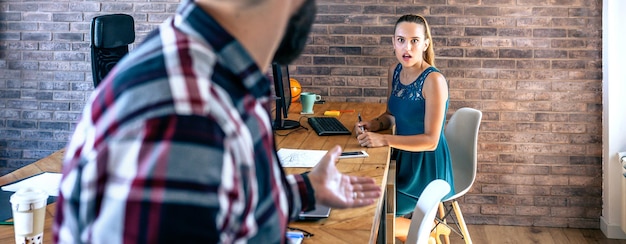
(308,99)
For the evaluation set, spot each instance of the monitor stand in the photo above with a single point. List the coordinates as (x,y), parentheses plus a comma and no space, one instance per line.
(286,124)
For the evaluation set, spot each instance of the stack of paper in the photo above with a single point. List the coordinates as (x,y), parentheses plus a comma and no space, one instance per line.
(299,158)
(49,182)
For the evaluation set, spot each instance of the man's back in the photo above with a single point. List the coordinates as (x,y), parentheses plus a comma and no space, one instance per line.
(174,146)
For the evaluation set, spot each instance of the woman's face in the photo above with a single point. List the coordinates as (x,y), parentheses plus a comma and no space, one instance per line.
(409,43)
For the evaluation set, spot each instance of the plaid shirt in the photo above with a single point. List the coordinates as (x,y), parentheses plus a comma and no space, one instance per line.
(176,146)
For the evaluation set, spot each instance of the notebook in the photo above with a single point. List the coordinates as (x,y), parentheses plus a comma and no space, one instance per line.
(320,212)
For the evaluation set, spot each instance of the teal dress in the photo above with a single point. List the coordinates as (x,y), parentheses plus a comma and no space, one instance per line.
(414,170)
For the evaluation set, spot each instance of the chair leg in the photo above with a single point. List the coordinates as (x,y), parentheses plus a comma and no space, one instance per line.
(433,238)
(461,222)
(443,230)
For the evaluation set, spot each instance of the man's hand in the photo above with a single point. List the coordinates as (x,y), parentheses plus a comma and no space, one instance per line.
(337,190)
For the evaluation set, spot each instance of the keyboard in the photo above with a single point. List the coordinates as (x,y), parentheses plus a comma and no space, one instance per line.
(328,126)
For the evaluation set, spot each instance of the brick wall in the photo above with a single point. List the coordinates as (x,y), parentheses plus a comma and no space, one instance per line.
(45,69)
(532,66)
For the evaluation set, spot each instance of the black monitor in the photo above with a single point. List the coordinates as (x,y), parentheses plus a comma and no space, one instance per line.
(282,86)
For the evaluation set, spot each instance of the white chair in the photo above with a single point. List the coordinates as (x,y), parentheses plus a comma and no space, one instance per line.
(462,136)
(417,230)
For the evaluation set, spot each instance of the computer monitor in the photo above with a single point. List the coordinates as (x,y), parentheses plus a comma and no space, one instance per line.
(282,86)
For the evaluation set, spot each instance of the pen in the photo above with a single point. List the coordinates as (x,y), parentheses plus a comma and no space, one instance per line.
(361,120)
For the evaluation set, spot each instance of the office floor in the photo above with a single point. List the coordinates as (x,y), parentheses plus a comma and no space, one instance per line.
(489,234)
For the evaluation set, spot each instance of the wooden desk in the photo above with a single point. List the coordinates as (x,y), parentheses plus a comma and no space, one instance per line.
(343,226)
(359,225)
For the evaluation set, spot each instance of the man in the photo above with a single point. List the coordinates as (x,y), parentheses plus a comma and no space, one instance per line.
(175,145)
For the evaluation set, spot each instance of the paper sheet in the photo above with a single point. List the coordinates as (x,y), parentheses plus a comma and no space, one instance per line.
(299,158)
(46,181)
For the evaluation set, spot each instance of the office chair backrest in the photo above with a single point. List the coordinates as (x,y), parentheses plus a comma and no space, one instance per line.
(110,36)
(462,136)
(425,210)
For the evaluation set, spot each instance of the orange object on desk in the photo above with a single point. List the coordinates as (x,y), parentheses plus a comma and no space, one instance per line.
(332,113)
(337,112)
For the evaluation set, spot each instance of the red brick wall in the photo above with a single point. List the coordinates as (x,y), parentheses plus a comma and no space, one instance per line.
(45,69)
(533,67)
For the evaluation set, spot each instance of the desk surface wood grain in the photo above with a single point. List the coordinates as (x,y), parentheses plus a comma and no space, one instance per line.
(343,226)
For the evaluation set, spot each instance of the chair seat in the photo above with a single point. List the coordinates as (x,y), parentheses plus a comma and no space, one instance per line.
(402,228)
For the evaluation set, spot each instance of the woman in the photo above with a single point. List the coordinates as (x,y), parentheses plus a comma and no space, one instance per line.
(417,105)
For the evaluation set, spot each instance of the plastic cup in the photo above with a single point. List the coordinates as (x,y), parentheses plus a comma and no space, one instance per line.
(29,213)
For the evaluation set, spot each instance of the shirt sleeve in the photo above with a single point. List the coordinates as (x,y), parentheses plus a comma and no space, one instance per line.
(303,194)
(308,196)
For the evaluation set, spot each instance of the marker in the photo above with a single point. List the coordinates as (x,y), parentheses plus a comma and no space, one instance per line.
(332,113)
(337,112)
(361,127)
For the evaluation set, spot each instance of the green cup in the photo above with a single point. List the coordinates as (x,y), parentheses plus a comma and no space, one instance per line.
(308,99)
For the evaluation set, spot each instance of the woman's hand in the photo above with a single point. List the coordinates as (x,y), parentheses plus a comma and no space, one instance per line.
(336,190)
(362,127)
(371,139)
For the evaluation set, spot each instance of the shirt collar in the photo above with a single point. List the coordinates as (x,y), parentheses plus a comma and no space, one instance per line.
(193,20)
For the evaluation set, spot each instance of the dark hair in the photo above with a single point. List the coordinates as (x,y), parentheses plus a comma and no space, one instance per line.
(429,54)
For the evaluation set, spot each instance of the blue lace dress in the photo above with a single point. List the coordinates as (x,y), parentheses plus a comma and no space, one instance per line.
(414,170)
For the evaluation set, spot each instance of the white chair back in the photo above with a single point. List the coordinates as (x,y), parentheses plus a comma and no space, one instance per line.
(425,210)
(462,135)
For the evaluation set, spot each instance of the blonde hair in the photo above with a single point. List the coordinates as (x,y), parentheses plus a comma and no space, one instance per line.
(429,54)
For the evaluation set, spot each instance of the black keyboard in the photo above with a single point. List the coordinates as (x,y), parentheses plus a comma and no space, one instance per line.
(328,126)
